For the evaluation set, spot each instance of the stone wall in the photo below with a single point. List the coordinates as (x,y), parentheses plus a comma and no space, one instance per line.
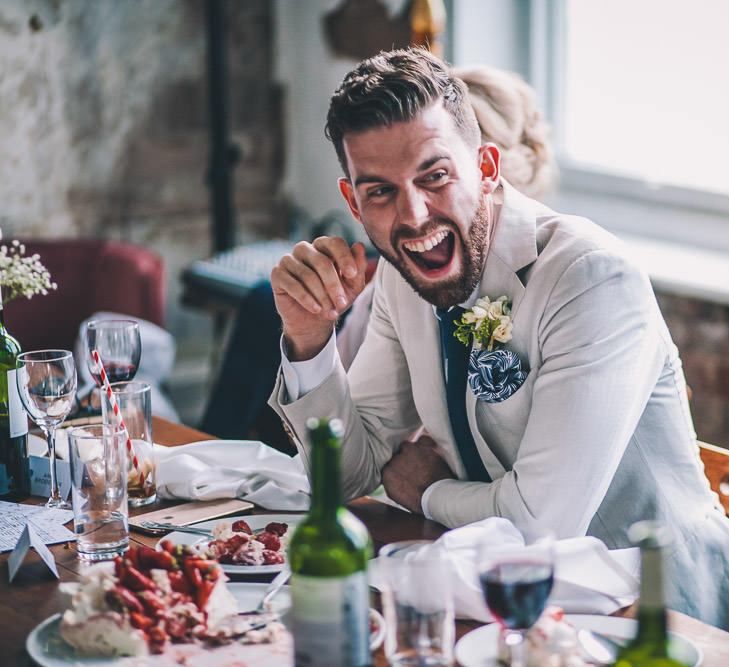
(701,333)
(103,127)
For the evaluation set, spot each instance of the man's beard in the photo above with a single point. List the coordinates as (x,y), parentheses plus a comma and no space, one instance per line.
(451,291)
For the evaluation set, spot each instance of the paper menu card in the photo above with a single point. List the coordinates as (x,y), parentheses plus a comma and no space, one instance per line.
(47,524)
(29,538)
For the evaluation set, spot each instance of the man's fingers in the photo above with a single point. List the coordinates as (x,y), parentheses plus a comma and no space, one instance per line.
(304,285)
(315,275)
(323,265)
(284,283)
(357,282)
(340,253)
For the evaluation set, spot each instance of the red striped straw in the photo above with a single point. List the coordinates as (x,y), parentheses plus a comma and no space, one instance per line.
(115,409)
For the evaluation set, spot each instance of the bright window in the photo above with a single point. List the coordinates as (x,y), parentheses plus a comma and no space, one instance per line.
(646,90)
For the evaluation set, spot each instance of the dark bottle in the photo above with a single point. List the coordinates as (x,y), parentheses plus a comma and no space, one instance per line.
(14,473)
(328,553)
(649,648)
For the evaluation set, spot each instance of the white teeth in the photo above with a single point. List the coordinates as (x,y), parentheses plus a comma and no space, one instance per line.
(426,244)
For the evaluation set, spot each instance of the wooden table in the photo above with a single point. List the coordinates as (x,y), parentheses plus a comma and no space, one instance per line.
(34,595)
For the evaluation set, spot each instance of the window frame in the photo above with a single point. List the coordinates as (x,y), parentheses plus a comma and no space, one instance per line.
(703,216)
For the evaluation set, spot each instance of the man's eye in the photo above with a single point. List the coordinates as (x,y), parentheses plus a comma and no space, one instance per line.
(435,177)
(380,192)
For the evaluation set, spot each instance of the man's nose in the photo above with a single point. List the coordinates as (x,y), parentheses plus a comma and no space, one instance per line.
(412,207)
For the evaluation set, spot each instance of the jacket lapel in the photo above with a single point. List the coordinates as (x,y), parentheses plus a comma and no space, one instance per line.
(514,247)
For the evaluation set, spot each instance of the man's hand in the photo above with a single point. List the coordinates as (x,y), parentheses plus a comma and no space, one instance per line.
(412,470)
(312,287)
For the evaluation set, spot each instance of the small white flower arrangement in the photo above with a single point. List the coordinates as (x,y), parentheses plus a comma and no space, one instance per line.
(21,275)
(487,323)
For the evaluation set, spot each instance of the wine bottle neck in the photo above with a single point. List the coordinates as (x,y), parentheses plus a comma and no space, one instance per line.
(652,621)
(326,496)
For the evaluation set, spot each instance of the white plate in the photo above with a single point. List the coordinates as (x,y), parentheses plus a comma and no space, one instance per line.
(479,647)
(46,647)
(256,522)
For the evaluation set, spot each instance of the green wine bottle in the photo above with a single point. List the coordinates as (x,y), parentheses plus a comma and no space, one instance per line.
(14,473)
(650,646)
(328,554)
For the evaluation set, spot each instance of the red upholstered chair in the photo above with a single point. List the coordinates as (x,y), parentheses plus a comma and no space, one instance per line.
(92,275)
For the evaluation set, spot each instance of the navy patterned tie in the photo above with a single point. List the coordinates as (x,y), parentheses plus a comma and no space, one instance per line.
(455,367)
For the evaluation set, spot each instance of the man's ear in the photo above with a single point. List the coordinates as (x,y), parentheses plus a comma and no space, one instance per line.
(490,158)
(345,187)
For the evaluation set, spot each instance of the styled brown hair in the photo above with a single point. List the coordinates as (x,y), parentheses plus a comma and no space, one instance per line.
(392,87)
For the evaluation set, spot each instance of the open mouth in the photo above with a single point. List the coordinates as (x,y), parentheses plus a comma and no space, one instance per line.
(433,253)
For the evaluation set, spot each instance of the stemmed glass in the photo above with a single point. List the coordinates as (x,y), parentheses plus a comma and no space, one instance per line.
(47,387)
(119,346)
(516,582)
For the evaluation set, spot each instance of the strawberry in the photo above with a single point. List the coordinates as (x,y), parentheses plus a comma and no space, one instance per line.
(269,540)
(136,581)
(241,526)
(140,621)
(277,528)
(272,557)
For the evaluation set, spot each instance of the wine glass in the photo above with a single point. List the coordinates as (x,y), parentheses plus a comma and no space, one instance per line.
(119,346)
(516,581)
(47,386)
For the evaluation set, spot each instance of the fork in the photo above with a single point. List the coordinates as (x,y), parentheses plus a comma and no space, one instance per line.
(158,525)
(271,590)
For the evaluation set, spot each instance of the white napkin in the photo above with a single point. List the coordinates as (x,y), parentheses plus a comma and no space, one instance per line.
(232,469)
(588,579)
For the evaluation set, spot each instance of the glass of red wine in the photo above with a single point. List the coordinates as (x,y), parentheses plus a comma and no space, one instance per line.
(119,346)
(516,581)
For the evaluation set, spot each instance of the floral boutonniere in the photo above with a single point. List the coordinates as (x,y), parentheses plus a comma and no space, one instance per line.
(493,374)
(488,322)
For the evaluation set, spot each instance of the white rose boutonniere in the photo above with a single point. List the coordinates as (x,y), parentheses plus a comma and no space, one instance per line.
(488,322)
(493,375)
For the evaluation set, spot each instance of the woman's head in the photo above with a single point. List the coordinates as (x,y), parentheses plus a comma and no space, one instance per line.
(508,115)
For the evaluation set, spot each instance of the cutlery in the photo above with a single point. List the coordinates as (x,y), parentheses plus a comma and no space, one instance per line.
(271,590)
(161,526)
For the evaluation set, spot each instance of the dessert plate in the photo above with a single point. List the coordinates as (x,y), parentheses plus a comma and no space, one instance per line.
(45,646)
(256,522)
(479,648)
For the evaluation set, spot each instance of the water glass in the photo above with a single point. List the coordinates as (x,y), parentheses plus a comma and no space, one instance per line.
(99,491)
(418,604)
(135,404)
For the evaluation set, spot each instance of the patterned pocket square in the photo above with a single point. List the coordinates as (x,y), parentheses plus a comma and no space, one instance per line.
(494,376)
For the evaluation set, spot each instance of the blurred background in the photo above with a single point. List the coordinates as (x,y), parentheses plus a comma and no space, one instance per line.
(191,128)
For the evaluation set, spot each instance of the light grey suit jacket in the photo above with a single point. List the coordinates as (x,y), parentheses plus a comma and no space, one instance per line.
(598,436)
